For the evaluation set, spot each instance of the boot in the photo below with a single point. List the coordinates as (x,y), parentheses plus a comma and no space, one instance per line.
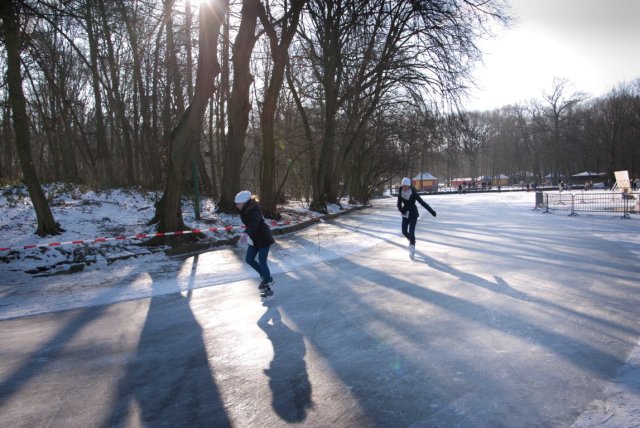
(266,284)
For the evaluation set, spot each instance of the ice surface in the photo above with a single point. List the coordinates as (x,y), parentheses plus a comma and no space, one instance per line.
(535,299)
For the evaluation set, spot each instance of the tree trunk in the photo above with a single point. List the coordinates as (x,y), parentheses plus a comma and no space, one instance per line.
(212,153)
(155,101)
(7,165)
(46,222)
(173,70)
(307,132)
(327,153)
(239,106)
(204,178)
(331,31)
(217,140)
(280,56)
(188,25)
(186,135)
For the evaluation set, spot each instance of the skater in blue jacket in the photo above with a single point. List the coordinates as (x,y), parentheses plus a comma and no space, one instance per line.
(259,237)
(407,197)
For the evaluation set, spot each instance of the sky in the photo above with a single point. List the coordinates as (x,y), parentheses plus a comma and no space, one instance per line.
(595,44)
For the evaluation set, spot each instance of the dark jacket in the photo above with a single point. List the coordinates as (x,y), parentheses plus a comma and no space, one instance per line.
(410,205)
(257,229)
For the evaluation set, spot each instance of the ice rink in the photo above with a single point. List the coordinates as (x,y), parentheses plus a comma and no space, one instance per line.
(507,317)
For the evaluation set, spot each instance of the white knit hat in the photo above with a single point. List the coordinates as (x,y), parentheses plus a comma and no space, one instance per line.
(406,181)
(243,197)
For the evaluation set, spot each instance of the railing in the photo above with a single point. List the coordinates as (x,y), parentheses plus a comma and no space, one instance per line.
(616,202)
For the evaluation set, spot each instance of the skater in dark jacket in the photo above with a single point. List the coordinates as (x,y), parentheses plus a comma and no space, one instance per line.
(260,239)
(407,198)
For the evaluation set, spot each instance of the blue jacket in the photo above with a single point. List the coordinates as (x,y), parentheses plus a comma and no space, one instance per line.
(410,205)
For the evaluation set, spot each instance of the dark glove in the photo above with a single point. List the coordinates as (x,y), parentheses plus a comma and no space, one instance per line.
(433,213)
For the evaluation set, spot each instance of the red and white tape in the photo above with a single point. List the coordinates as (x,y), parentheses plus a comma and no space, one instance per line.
(137,236)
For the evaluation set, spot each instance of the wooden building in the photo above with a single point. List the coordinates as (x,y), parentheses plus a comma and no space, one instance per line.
(425,182)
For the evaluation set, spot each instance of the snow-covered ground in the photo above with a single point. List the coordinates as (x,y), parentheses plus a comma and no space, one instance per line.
(36,280)
(86,215)
(494,241)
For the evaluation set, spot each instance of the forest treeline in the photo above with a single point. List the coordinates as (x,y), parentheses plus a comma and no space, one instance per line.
(305,99)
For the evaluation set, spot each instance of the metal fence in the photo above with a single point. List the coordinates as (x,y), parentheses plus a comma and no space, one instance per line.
(615,202)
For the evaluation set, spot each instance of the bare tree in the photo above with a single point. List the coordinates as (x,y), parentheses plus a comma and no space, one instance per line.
(116,96)
(186,135)
(280,56)
(560,107)
(105,83)
(528,146)
(148,155)
(217,138)
(239,105)
(12,36)
(461,140)
(104,171)
(365,51)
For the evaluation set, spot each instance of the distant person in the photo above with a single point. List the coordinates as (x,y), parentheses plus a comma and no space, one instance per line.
(260,239)
(407,198)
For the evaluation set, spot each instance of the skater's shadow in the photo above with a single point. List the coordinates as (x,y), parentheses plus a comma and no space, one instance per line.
(169,381)
(288,377)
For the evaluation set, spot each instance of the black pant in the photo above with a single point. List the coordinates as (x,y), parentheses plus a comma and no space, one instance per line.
(409,228)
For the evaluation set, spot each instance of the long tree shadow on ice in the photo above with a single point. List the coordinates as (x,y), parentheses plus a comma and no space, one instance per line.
(169,379)
(358,331)
(500,286)
(288,377)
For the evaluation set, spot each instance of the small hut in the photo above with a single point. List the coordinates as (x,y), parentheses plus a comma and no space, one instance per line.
(501,180)
(425,182)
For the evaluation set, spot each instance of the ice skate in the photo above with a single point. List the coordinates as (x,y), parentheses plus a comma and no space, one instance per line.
(266,292)
(412,251)
(266,284)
